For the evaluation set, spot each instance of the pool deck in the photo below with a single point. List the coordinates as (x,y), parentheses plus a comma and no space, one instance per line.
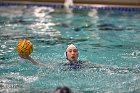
(114,3)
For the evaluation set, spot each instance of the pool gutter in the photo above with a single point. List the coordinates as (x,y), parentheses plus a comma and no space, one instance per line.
(60,5)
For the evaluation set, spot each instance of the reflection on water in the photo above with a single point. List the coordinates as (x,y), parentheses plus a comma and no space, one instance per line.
(102,37)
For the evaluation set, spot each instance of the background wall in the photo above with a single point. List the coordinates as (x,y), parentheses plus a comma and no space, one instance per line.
(109,2)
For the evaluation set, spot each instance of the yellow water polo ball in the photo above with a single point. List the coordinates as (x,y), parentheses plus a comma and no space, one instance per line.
(24,47)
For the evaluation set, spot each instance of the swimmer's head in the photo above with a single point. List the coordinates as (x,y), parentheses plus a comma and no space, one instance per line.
(63,90)
(72,53)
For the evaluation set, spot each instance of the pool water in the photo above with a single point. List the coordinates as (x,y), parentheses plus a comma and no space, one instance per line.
(110,38)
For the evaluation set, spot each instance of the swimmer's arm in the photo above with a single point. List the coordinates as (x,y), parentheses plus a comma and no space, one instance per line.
(93,65)
(31,59)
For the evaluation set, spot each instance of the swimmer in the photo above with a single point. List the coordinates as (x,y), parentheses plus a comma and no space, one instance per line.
(71,54)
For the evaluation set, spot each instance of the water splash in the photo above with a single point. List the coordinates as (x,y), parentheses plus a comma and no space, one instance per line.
(68,5)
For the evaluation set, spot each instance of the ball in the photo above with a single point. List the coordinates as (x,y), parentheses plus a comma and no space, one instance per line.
(24,47)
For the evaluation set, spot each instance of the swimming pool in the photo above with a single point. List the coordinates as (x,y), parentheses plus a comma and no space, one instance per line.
(108,37)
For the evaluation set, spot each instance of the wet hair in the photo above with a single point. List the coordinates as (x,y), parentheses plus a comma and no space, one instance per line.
(66,55)
(63,90)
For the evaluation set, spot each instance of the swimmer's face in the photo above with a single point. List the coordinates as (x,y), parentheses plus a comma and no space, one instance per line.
(72,53)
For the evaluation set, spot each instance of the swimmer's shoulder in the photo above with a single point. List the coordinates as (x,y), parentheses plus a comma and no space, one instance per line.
(91,64)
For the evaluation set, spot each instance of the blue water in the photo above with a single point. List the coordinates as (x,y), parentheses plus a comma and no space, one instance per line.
(110,38)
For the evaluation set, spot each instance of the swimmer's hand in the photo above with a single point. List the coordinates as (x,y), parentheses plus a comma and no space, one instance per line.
(25,56)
